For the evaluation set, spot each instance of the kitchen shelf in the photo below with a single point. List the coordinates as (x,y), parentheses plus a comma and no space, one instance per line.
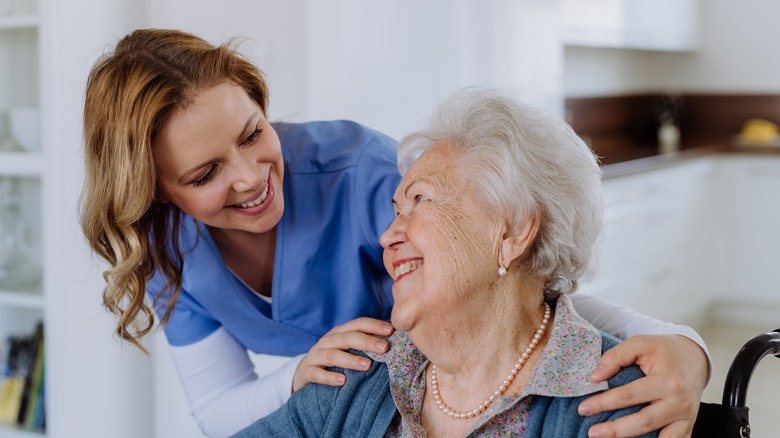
(21,308)
(656,25)
(13,22)
(11,432)
(22,299)
(21,164)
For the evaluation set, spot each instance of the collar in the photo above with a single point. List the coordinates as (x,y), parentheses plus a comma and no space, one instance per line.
(572,352)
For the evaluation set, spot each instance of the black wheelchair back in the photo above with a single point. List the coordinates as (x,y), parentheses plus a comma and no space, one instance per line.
(730,419)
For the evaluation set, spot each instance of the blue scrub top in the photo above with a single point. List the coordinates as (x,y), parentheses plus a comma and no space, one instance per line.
(339,180)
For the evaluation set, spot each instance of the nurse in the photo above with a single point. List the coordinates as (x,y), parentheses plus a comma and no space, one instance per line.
(241,235)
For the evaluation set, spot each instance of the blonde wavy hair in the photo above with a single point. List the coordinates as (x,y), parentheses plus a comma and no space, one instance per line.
(130,95)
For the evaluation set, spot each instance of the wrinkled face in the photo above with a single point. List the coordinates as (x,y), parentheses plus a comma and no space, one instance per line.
(442,247)
(220,161)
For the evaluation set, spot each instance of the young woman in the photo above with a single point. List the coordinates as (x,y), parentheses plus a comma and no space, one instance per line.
(244,236)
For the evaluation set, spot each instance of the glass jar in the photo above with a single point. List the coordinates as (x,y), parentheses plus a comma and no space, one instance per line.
(17,270)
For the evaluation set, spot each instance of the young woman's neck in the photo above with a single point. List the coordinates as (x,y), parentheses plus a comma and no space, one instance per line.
(249,255)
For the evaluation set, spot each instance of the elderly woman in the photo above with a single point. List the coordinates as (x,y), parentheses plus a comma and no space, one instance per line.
(497,217)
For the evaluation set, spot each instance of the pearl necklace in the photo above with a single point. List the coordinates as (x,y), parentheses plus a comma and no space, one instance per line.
(452,413)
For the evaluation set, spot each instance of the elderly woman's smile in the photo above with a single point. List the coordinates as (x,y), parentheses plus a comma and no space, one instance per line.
(403,267)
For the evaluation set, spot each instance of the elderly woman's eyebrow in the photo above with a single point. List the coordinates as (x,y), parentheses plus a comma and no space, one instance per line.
(405,193)
(409,187)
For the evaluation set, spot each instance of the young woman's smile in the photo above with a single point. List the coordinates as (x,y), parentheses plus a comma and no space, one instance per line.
(257,203)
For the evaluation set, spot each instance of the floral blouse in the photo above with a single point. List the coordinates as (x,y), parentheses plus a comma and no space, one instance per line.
(572,352)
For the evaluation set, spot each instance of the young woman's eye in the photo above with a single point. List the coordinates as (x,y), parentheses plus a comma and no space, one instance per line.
(252,137)
(208,176)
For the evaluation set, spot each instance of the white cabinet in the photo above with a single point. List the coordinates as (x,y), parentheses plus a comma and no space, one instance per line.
(663,25)
(651,258)
(756,254)
(694,240)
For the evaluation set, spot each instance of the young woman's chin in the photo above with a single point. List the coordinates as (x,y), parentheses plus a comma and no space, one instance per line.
(267,221)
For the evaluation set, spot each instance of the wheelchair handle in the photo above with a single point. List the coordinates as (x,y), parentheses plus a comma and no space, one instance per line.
(745,362)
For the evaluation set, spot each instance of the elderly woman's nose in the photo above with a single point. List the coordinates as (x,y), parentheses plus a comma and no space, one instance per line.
(394,234)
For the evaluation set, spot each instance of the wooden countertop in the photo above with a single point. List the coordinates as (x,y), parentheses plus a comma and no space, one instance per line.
(622,130)
(642,159)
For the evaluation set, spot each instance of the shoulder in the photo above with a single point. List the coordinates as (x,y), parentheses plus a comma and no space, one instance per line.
(331,145)
(362,407)
(557,416)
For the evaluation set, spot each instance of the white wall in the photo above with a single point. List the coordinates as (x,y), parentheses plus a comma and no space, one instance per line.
(273,33)
(738,51)
(387,64)
(384,64)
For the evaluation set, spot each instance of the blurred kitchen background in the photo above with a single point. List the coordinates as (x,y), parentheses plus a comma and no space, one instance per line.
(679,98)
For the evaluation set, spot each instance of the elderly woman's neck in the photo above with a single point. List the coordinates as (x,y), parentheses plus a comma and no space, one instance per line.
(490,332)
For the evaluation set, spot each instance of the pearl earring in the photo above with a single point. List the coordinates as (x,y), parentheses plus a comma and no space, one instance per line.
(501,271)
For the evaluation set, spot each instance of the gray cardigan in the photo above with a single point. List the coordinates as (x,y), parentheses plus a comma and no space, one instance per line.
(364,407)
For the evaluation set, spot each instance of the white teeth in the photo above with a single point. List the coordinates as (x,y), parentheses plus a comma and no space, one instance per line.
(407,267)
(257,201)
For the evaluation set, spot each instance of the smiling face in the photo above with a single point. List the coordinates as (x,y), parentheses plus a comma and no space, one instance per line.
(442,248)
(220,161)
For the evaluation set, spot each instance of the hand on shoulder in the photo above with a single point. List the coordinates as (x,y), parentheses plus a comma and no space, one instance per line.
(676,370)
(331,351)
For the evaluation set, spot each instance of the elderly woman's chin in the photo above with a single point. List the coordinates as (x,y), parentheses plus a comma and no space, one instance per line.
(403,318)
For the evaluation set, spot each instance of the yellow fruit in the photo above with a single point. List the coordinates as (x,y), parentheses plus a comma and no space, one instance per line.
(759,131)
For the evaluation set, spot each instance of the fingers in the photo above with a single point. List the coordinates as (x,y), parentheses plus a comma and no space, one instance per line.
(324,377)
(331,351)
(620,356)
(346,340)
(365,325)
(678,429)
(637,392)
(618,428)
(312,368)
(334,357)
(670,409)
(644,421)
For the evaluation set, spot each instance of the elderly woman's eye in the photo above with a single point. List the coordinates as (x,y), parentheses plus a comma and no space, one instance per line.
(419,198)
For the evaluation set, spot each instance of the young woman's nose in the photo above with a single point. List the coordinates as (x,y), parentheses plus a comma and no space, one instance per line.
(395,233)
(246,173)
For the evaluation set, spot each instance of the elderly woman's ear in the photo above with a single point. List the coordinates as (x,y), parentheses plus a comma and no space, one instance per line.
(517,240)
